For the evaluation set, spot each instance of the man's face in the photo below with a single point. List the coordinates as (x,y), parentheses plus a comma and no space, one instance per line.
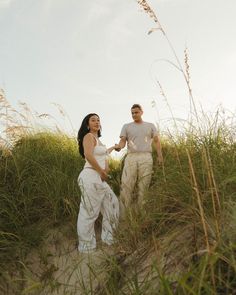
(136,114)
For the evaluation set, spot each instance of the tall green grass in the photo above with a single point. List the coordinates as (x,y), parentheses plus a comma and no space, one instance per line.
(182,241)
(187,225)
(38,188)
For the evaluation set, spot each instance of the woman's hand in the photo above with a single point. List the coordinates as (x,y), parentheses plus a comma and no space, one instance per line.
(103,175)
(115,147)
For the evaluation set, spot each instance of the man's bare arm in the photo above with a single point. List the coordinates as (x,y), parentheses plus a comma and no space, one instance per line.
(122,142)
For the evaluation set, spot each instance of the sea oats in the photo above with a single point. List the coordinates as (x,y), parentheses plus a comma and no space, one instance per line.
(45,115)
(3,101)
(60,109)
(186,62)
(147,9)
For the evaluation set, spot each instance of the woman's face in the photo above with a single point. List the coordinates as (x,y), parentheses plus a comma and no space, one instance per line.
(94,123)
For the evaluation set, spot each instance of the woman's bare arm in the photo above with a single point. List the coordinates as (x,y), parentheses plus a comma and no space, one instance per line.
(109,150)
(89,144)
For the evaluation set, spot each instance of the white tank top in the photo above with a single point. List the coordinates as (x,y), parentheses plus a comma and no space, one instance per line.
(99,153)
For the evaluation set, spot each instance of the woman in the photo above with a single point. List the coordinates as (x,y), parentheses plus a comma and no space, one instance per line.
(96,195)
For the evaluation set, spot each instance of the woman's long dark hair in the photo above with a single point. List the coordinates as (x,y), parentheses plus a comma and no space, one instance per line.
(83,131)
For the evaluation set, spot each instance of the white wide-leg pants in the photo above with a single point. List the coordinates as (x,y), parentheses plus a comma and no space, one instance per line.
(96,196)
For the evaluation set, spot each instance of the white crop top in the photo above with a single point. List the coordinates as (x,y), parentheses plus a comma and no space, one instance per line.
(100,154)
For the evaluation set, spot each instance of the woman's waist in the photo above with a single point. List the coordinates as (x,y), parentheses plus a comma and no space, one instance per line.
(101,163)
(89,175)
(89,171)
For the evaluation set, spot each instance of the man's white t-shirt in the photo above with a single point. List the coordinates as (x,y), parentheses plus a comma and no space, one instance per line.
(139,136)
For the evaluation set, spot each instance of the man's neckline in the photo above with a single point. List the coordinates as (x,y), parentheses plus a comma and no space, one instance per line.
(138,122)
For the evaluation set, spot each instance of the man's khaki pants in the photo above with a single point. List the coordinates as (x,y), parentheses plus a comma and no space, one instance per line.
(137,170)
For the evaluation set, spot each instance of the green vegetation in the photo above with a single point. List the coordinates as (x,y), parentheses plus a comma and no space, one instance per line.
(183,241)
(38,188)
(187,227)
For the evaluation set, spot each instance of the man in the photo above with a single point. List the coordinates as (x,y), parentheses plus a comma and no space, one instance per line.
(138,162)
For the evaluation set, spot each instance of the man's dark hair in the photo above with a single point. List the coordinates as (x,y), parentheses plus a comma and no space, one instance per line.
(136,105)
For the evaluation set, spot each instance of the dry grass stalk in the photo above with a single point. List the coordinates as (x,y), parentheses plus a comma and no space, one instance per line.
(44,115)
(204,225)
(185,72)
(187,67)
(147,9)
(60,109)
(212,189)
(169,107)
(15,124)
(214,183)
(3,102)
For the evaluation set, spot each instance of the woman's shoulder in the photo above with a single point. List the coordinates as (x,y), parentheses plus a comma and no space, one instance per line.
(90,137)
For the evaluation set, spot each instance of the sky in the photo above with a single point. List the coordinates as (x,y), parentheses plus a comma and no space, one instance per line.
(97,56)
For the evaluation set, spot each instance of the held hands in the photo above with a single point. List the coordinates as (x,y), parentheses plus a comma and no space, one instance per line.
(117,147)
